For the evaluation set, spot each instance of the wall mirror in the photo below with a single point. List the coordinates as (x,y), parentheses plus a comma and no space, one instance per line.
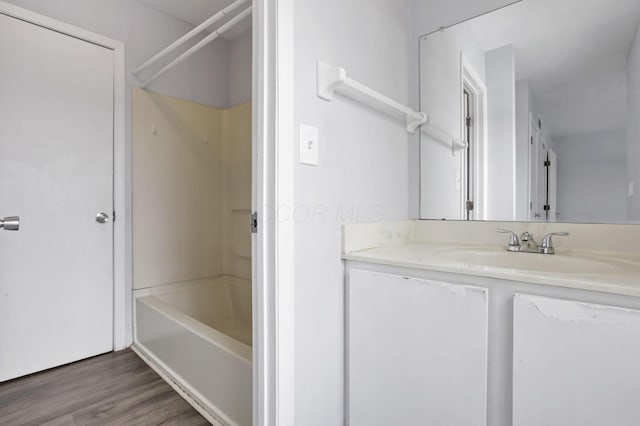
(546,95)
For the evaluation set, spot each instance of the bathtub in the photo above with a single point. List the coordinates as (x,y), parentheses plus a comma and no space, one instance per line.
(197,335)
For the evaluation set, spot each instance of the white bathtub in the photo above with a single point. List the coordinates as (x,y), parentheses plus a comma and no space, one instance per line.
(198,335)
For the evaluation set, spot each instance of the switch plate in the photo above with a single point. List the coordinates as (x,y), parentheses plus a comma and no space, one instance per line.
(309,149)
(631,190)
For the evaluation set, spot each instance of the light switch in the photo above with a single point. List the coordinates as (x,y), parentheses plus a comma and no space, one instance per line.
(631,190)
(309,149)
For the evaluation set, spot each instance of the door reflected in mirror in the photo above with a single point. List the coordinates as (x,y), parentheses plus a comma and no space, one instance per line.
(546,93)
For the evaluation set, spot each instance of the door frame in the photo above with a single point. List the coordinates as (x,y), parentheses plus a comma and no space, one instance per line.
(533,181)
(273,190)
(471,79)
(122,317)
(552,185)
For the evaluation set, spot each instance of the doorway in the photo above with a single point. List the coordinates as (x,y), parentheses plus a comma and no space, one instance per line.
(543,175)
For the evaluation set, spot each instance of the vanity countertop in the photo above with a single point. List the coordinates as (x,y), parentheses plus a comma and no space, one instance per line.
(610,272)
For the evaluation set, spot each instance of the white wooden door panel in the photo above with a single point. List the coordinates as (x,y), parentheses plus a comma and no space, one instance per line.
(417,352)
(575,364)
(56,173)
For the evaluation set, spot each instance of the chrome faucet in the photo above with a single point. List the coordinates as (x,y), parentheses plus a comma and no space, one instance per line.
(527,244)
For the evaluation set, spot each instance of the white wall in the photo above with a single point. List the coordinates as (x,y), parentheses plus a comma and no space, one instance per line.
(192,190)
(363,172)
(522,150)
(440,98)
(362,177)
(240,60)
(501,143)
(177,190)
(633,127)
(592,177)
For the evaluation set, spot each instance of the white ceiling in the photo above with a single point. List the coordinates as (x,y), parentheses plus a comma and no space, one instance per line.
(573,52)
(196,12)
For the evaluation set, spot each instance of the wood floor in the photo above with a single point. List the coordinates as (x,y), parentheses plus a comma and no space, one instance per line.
(112,389)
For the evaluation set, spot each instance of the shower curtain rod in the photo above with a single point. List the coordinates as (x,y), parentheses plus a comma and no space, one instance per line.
(208,39)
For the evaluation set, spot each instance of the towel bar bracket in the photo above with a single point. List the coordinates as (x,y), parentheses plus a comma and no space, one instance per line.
(413,123)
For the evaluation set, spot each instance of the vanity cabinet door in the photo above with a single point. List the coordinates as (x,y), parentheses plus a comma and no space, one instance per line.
(575,364)
(417,352)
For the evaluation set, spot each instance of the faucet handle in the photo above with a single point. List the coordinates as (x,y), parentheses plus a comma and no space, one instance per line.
(546,247)
(514,242)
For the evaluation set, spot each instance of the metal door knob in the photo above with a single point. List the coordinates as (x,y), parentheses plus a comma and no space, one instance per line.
(102,218)
(10,223)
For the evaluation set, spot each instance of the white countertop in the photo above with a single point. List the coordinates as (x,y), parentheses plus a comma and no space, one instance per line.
(605,272)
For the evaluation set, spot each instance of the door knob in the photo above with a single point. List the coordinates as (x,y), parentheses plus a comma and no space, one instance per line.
(102,218)
(10,223)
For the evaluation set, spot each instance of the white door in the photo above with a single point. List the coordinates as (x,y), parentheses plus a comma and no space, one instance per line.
(56,173)
(417,351)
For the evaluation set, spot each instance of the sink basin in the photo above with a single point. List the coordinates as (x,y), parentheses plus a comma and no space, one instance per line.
(497,258)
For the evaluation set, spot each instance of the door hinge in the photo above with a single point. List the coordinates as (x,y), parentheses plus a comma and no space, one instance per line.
(114,215)
(531,205)
(469,205)
(469,121)
(547,163)
(531,140)
(547,207)
(254,222)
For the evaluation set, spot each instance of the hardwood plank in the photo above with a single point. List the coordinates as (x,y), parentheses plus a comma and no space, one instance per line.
(115,388)
(76,389)
(61,421)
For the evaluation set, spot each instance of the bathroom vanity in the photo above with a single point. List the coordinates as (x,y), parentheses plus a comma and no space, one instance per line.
(444,326)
